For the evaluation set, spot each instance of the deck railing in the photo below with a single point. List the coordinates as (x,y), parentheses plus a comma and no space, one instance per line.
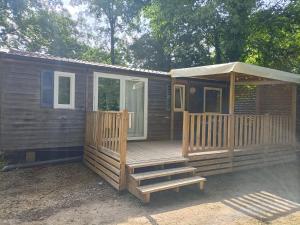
(212,131)
(205,131)
(251,130)
(106,145)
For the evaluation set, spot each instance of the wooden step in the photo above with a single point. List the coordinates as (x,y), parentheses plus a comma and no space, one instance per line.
(162,173)
(133,166)
(161,186)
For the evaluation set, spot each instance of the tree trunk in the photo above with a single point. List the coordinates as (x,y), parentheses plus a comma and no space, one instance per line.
(112,44)
(218,58)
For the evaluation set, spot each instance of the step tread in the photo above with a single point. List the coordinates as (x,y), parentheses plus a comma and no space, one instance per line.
(170,184)
(162,173)
(156,162)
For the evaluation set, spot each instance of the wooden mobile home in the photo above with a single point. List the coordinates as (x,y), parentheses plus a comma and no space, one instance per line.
(148,131)
(32,120)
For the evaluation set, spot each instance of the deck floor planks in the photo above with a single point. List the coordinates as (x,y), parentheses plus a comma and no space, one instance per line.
(147,151)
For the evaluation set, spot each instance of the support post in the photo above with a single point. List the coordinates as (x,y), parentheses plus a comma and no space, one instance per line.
(185,133)
(231,116)
(257,99)
(172,109)
(294,114)
(123,148)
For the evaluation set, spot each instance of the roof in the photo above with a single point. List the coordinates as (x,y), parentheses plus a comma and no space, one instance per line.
(238,67)
(35,55)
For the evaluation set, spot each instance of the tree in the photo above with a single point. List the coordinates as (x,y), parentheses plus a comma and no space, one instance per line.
(193,32)
(275,37)
(14,13)
(116,15)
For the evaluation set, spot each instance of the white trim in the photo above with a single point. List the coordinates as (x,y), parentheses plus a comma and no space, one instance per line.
(181,109)
(212,89)
(58,74)
(122,96)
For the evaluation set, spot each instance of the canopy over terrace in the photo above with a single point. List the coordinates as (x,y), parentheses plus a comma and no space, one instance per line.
(237,130)
(245,72)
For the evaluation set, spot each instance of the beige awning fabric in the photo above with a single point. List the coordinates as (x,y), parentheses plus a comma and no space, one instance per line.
(238,67)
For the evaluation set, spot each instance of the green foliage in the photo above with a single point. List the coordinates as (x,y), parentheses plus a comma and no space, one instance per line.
(275,38)
(192,33)
(159,34)
(51,32)
(2,161)
(116,15)
(95,55)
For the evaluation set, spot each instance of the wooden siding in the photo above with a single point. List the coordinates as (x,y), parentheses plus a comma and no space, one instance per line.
(25,124)
(28,126)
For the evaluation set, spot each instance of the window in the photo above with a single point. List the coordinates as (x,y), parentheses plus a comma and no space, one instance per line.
(47,89)
(64,90)
(179,97)
(212,100)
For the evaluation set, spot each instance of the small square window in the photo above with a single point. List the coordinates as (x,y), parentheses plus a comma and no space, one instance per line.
(179,97)
(64,90)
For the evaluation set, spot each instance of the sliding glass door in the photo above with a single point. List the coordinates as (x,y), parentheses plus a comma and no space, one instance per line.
(112,92)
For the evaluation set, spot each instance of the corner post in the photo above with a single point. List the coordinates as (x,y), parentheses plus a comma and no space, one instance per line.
(185,133)
(231,116)
(172,109)
(123,148)
(294,114)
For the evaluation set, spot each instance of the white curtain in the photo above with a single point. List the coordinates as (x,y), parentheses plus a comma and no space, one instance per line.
(134,102)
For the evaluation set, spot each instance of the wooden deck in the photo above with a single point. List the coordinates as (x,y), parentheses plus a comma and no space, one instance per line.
(149,151)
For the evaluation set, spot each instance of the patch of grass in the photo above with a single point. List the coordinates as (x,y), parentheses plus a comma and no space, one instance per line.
(2,161)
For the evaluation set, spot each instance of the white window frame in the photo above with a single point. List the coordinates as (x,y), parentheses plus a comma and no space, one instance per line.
(212,89)
(182,87)
(57,75)
(123,79)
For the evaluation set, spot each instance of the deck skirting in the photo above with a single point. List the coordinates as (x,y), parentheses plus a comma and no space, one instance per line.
(219,162)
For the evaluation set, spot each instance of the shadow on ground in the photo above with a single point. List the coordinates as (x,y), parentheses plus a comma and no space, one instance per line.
(72,194)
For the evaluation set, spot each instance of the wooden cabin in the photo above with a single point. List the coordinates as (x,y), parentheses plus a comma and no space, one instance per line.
(224,118)
(34,122)
(143,130)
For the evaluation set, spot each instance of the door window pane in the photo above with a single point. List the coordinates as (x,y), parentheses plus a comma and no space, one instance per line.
(64,93)
(179,97)
(134,103)
(213,100)
(108,94)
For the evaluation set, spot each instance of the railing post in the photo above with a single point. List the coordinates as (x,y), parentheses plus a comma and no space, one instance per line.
(267,130)
(123,148)
(231,133)
(185,133)
(294,115)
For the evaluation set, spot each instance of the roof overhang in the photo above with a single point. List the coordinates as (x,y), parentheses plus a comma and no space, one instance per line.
(237,67)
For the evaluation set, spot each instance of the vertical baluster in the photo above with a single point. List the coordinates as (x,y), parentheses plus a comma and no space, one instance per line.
(209,131)
(192,132)
(220,131)
(203,131)
(198,132)
(214,133)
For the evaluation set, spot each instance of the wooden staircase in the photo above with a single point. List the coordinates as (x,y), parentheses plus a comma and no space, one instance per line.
(149,177)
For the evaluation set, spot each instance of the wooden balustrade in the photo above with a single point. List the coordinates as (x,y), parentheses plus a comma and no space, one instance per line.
(106,145)
(205,131)
(251,130)
(209,131)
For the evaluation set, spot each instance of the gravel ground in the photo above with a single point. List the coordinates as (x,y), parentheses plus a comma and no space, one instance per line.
(72,194)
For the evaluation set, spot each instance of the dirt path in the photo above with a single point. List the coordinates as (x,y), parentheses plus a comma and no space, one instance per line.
(72,194)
